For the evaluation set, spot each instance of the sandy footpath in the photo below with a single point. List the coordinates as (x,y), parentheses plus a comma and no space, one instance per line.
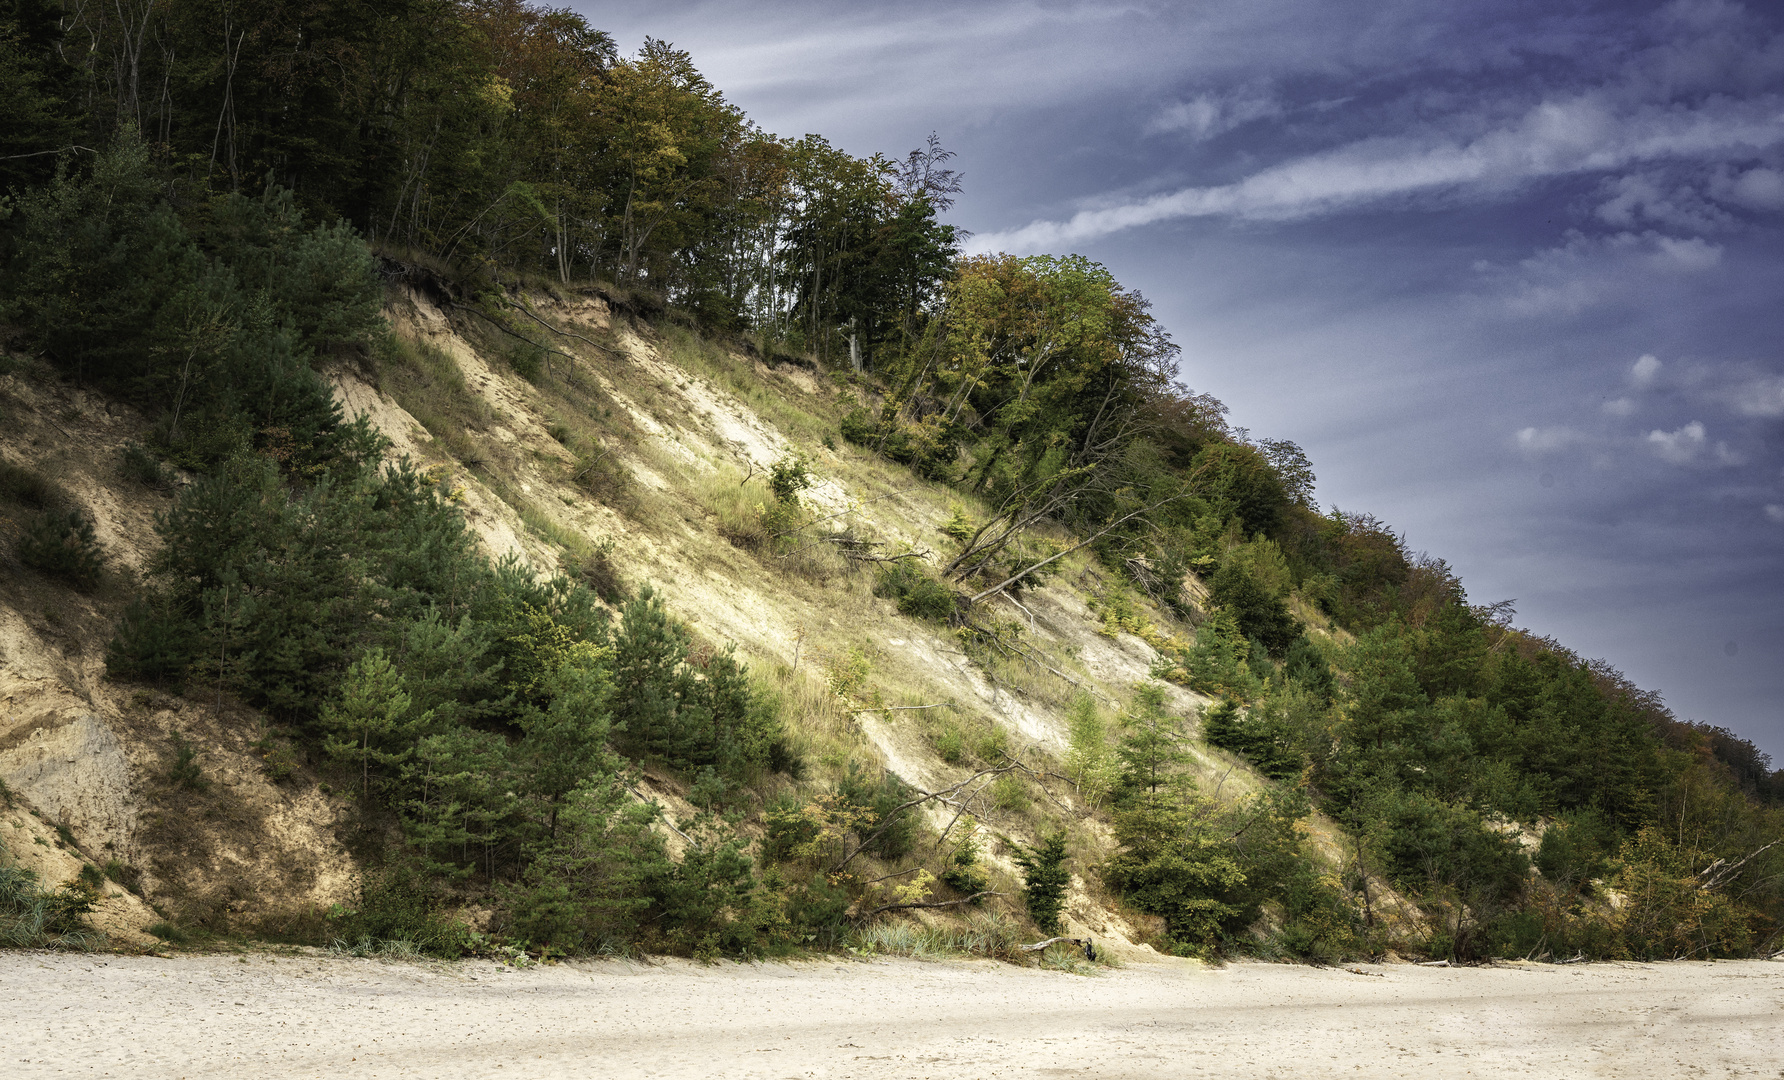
(294,1016)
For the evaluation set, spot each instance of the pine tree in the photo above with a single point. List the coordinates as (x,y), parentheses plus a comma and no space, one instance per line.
(370,723)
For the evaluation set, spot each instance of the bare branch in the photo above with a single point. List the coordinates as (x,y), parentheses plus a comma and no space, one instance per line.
(973,899)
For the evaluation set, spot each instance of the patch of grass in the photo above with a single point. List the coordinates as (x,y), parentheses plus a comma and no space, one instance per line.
(426,381)
(65,835)
(168,932)
(1010,794)
(990,934)
(32,917)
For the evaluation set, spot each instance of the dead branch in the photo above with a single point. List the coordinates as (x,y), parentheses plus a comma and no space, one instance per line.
(905,708)
(893,814)
(497,323)
(1720,872)
(1086,542)
(566,333)
(973,899)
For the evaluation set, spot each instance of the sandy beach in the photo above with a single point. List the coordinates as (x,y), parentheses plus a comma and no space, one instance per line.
(263,1015)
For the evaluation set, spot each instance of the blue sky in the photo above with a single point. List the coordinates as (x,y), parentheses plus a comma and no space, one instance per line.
(1512,273)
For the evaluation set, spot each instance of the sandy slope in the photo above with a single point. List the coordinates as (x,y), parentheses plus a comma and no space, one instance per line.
(307,1016)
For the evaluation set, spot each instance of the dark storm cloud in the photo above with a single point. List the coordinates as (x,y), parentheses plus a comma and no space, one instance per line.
(1510,271)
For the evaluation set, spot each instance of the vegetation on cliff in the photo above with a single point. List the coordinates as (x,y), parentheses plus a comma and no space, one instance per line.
(202,225)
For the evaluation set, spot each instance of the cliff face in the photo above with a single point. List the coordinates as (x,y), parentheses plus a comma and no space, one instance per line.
(638,456)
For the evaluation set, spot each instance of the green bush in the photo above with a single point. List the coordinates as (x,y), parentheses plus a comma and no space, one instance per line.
(144,468)
(399,905)
(62,544)
(1044,880)
(915,591)
(859,427)
(788,477)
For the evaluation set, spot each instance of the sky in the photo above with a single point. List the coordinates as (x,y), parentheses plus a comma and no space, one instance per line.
(1511,272)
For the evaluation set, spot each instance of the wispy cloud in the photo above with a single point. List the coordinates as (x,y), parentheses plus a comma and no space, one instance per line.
(1207,115)
(1583,134)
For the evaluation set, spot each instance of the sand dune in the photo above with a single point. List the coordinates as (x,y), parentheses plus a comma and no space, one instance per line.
(301,1016)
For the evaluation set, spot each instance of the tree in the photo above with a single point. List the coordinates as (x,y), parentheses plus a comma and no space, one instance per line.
(1044,880)
(370,722)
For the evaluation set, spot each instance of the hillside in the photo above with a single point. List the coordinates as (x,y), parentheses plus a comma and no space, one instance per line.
(464,491)
(692,429)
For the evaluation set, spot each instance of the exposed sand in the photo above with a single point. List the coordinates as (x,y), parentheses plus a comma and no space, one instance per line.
(262,1016)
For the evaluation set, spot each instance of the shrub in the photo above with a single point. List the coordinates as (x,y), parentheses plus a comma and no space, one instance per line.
(788,477)
(860,427)
(184,772)
(880,797)
(597,571)
(62,544)
(397,905)
(916,592)
(527,360)
(144,468)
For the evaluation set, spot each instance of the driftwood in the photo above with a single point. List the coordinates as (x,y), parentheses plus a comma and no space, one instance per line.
(1086,944)
(1434,963)
(1372,974)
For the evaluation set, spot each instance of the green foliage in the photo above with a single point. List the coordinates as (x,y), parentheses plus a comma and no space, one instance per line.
(689,709)
(62,544)
(1089,761)
(964,873)
(371,722)
(875,801)
(143,467)
(1256,735)
(398,904)
(1044,880)
(1260,616)
(185,772)
(917,593)
(789,476)
(32,917)
(1151,750)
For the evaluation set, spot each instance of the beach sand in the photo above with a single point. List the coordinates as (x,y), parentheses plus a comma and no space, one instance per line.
(271,1015)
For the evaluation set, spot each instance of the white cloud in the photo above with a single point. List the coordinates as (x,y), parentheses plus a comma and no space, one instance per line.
(1584,134)
(1688,256)
(1586,271)
(1775,512)
(1690,444)
(1681,446)
(1756,189)
(1643,199)
(1645,370)
(1207,115)
(1619,407)
(1761,396)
